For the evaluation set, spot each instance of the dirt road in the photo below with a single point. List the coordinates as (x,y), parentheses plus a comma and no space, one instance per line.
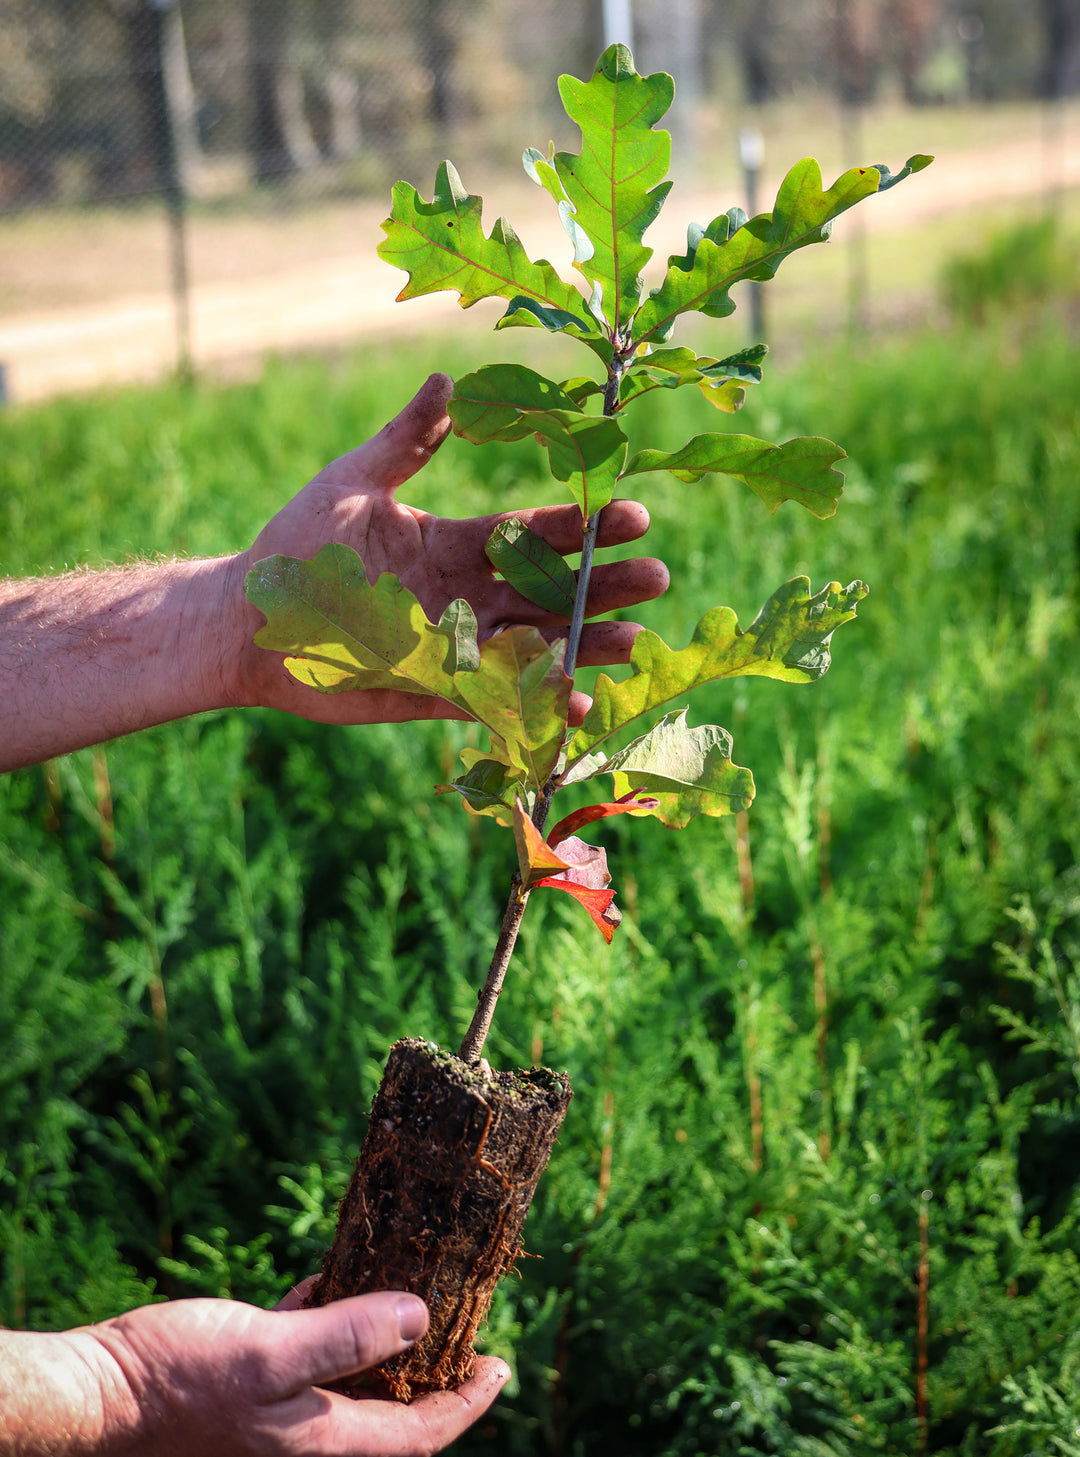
(345,294)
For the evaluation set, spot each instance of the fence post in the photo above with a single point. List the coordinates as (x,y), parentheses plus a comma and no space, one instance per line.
(172,186)
(618,22)
(752,155)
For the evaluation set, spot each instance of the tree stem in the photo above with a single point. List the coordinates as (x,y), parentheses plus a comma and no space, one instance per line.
(473,1044)
(577,622)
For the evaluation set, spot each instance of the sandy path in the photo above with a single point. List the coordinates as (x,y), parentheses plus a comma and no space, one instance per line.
(348,295)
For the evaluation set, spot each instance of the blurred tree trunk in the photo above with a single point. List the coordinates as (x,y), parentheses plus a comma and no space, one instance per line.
(343,105)
(281,139)
(338,84)
(438,48)
(757,61)
(857,43)
(913,24)
(1061,36)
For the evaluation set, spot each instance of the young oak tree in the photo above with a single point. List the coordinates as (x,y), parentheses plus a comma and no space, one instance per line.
(343,633)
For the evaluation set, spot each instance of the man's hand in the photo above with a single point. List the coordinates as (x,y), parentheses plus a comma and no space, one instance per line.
(352,500)
(215,1378)
(91,655)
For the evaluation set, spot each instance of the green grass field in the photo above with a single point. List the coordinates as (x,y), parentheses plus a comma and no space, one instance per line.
(818,1103)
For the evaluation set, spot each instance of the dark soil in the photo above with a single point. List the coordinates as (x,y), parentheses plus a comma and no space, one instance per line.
(449,1166)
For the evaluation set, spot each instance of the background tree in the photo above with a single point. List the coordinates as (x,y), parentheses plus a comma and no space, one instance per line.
(280,139)
(1061,47)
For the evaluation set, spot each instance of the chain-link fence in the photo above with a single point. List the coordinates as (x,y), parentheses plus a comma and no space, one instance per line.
(111,99)
(272,129)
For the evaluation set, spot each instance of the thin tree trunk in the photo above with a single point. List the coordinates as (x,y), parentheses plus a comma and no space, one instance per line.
(281,140)
(438,47)
(343,101)
(1061,48)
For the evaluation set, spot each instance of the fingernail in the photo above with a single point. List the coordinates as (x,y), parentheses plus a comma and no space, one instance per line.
(412,1317)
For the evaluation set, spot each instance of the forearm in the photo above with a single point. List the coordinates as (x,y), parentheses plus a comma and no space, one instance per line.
(58,1399)
(93,655)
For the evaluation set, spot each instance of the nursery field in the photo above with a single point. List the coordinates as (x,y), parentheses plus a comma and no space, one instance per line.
(819,1189)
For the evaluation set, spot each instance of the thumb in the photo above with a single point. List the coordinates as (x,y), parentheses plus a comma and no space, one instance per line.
(309,1347)
(402,447)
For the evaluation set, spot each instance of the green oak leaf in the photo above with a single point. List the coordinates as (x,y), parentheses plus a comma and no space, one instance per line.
(580,388)
(532,567)
(528,312)
(685,771)
(522,695)
(542,171)
(510,402)
(789,640)
(718,231)
(890,179)
(496,753)
(463,654)
(487,788)
(342,633)
(616,184)
(720,258)
(721,381)
(799,470)
(441,245)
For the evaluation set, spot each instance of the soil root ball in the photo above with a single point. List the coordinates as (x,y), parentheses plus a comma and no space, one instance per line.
(437,1201)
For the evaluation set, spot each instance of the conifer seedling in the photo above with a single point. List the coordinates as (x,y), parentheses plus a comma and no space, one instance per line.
(342,633)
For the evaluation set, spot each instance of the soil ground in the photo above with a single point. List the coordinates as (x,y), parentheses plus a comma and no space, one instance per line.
(85,301)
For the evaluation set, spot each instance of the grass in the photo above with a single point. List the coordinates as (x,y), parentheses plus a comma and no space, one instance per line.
(813,1108)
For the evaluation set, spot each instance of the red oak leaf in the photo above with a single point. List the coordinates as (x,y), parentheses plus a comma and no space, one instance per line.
(598,903)
(582,817)
(586,878)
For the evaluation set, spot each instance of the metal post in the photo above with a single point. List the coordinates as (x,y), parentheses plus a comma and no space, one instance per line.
(752,155)
(618,23)
(851,120)
(851,91)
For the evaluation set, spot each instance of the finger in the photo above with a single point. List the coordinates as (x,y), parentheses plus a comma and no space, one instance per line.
(303,1348)
(388,1429)
(401,448)
(560,526)
(612,586)
(297,1295)
(580,703)
(605,643)
(602,645)
(615,585)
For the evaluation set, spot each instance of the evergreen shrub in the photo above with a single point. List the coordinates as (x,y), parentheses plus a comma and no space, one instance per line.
(818,1192)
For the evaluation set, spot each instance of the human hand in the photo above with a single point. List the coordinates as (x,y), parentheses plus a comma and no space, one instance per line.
(220,1379)
(437,558)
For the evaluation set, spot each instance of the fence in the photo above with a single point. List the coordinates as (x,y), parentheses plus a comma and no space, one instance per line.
(271,130)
